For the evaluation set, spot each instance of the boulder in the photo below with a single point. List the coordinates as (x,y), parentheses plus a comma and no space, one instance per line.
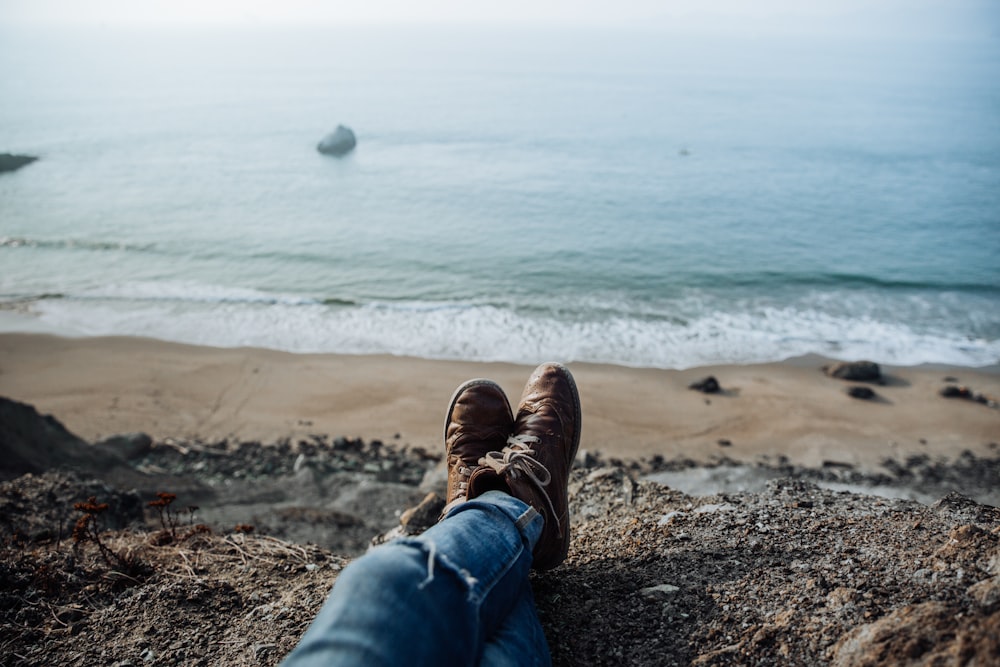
(11,162)
(129,446)
(855,371)
(862,393)
(955,391)
(959,391)
(34,443)
(339,142)
(927,633)
(708,385)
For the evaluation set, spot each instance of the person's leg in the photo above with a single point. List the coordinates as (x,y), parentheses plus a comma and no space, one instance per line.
(437,598)
(520,641)
(460,593)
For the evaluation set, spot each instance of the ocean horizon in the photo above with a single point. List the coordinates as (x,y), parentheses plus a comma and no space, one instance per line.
(637,198)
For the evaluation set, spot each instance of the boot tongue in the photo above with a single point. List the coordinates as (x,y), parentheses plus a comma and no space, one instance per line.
(486,479)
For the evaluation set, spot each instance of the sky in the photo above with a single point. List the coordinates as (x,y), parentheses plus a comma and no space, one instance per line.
(773,15)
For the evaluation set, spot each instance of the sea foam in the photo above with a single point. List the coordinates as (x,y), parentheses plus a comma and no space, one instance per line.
(235,318)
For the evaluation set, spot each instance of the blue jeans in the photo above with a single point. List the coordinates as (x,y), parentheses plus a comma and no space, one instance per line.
(458,594)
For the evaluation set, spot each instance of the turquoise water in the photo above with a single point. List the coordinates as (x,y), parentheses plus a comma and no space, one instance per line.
(641,199)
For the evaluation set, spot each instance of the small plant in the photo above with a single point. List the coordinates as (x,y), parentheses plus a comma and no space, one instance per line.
(86,526)
(167,518)
(170,520)
(86,530)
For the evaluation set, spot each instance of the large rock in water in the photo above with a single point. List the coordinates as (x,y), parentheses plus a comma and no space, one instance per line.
(339,142)
(10,162)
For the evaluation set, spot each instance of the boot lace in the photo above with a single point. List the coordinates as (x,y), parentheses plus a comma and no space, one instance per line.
(462,488)
(518,460)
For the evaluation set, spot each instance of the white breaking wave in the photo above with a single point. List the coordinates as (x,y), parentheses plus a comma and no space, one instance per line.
(490,333)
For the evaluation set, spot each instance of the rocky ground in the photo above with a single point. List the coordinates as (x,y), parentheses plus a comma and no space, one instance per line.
(785,572)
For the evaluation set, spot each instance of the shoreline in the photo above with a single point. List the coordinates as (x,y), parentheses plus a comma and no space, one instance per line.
(104,386)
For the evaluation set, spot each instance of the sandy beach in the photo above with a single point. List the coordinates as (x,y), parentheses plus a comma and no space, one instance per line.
(103,386)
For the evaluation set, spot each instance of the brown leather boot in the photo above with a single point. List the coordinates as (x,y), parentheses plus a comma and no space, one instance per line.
(478,421)
(537,458)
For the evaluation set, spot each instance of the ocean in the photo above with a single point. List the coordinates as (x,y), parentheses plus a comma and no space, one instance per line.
(642,198)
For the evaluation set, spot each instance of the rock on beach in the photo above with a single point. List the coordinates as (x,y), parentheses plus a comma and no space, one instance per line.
(862,393)
(706,385)
(855,371)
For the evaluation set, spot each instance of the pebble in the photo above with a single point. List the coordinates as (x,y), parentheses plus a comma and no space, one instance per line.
(669,517)
(259,649)
(711,508)
(659,591)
